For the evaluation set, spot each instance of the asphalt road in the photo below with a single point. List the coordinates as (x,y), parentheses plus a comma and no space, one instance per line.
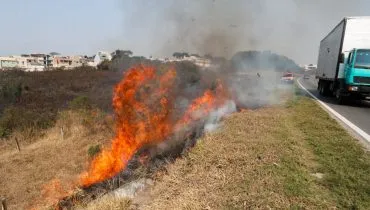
(358,112)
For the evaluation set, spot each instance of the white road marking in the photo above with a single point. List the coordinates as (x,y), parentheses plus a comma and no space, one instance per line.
(358,130)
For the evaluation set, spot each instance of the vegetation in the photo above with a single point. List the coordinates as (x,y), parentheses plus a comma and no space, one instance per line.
(80,103)
(345,165)
(105,65)
(30,101)
(286,156)
(60,120)
(180,55)
(123,59)
(93,150)
(269,158)
(61,154)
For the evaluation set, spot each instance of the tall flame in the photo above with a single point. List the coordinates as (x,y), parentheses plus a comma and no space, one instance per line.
(144,106)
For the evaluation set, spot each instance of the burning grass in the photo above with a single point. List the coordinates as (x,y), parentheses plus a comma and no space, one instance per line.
(152,105)
(260,158)
(144,103)
(254,162)
(267,158)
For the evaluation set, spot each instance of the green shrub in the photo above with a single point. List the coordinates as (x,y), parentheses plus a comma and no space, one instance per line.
(93,150)
(11,92)
(4,132)
(105,65)
(18,118)
(80,103)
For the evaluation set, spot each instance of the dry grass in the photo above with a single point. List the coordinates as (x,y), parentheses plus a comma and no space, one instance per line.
(109,203)
(257,161)
(24,173)
(266,159)
(42,95)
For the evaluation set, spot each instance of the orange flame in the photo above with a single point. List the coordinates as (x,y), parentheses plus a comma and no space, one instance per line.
(143,103)
(54,190)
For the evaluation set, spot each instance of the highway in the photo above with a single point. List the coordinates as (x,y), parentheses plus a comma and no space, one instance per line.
(358,113)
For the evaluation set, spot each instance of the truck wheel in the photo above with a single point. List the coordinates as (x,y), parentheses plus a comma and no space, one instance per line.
(321,88)
(340,98)
(324,89)
(321,92)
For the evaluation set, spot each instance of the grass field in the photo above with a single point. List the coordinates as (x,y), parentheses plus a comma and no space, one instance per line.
(60,119)
(288,156)
(284,157)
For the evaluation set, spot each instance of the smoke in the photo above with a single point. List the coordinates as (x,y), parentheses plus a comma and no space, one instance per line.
(292,28)
(131,189)
(221,27)
(214,118)
(253,91)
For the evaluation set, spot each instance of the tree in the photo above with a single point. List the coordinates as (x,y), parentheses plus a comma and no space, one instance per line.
(177,55)
(127,52)
(121,53)
(105,65)
(180,55)
(54,53)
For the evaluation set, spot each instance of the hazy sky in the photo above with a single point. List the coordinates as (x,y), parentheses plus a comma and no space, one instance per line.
(160,27)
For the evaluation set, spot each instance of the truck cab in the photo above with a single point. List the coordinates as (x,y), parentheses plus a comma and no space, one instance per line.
(355,66)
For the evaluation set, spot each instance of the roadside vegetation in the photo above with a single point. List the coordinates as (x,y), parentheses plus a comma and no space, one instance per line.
(286,156)
(53,123)
(292,156)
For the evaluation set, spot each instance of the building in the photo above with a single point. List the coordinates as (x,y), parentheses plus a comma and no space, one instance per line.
(197,60)
(33,62)
(8,62)
(202,62)
(40,62)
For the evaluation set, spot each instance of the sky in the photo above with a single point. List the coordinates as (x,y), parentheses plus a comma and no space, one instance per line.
(293,28)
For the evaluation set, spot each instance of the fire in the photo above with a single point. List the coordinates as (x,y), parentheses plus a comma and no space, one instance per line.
(144,107)
(56,190)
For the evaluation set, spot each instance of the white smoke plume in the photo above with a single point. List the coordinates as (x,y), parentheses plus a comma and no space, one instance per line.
(214,118)
(290,27)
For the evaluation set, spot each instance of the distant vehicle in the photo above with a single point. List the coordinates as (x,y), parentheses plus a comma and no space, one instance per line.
(344,61)
(287,78)
(306,76)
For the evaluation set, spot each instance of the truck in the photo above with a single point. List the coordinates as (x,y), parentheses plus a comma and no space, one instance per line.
(343,67)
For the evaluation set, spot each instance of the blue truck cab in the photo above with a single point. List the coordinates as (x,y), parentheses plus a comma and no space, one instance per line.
(356,69)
